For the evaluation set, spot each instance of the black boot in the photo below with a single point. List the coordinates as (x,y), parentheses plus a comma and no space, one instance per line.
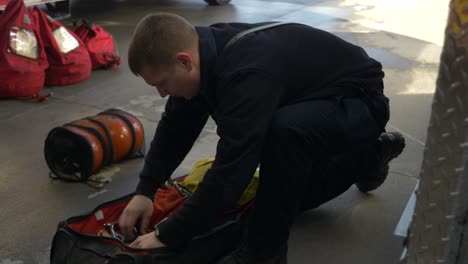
(388,146)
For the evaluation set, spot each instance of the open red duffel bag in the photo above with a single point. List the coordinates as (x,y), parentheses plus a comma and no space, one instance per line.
(68,57)
(95,238)
(22,57)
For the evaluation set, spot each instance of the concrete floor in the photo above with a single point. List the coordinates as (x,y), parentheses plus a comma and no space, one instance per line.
(354,228)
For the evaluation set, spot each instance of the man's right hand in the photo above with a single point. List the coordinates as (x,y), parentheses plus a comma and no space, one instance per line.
(139,209)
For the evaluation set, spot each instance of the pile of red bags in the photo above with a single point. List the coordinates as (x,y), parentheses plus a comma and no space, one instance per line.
(37,50)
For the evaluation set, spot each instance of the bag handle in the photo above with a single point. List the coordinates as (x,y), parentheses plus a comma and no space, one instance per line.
(85,23)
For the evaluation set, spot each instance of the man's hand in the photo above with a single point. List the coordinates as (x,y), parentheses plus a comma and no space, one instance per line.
(147,241)
(140,209)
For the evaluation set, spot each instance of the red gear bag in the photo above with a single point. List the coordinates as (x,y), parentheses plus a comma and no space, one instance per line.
(100,44)
(68,57)
(22,57)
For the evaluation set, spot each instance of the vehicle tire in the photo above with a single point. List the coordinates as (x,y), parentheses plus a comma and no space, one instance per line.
(218,2)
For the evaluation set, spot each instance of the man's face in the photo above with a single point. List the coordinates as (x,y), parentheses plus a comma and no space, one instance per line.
(180,80)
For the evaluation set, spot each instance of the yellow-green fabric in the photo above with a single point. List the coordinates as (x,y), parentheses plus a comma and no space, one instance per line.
(199,170)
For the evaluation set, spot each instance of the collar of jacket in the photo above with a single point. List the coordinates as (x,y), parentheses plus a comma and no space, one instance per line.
(208,54)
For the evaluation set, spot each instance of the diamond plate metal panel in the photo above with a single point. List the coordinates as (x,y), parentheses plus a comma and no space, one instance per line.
(436,234)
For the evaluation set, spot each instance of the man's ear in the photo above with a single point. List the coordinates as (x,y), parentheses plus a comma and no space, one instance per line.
(185,59)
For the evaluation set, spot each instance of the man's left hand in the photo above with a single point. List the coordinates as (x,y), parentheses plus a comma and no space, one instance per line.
(147,241)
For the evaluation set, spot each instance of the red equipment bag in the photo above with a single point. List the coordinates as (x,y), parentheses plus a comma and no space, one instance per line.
(68,57)
(95,237)
(100,44)
(22,57)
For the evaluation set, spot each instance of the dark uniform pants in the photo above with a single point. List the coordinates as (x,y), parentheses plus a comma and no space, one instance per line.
(313,153)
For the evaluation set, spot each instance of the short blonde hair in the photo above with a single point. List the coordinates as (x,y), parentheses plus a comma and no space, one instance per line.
(157,39)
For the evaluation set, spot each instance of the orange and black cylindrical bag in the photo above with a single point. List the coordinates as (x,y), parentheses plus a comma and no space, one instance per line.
(81,148)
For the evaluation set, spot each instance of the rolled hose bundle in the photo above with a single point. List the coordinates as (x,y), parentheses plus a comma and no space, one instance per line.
(80,148)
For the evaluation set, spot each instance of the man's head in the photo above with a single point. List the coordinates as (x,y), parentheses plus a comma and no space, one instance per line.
(164,52)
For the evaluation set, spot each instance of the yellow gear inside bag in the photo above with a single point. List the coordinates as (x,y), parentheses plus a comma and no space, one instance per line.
(199,170)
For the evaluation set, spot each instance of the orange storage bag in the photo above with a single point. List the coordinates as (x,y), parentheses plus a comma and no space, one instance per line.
(80,148)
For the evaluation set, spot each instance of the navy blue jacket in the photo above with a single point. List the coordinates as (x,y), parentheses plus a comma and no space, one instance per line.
(242,87)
